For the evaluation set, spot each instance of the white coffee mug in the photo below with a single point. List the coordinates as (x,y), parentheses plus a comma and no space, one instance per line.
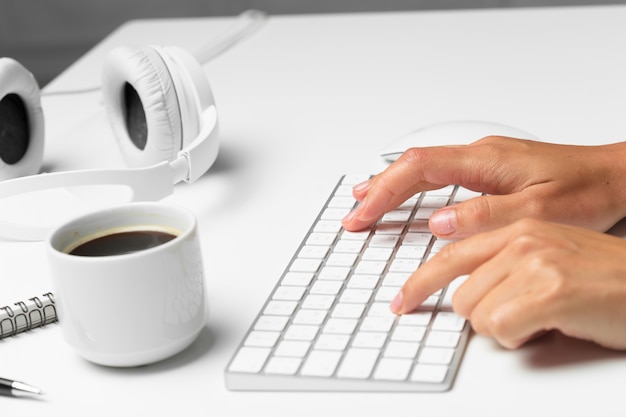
(129,309)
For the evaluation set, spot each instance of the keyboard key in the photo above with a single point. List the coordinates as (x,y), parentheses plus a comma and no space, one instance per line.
(367,282)
(393,369)
(384,241)
(409,204)
(280,308)
(341,202)
(288,293)
(334,213)
(429,373)
(411,252)
(377,254)
(249,359)
(361,236)
(344,190)
(416,318)
(334,273)
(321,363)
(439,356)
(408,334)
(262,339)
(358,363)
(377,324)
(314,317)
(446,191)
(327,226)
(305,265)
(404,265)
(318,302)
(341,259)
(313,252)
(443,339)
(418,239)
(355,296)
(340,326)
(434,201)
(329,341)
(396,349)
(370,267)
(329,317)
(292,348)
(397,216)
(386,294)
(301,279)
(447,320)
(326,287)
(424,212)
(419,225)
(275,323)
(374,340)
(283,366)
(349,246)
(348,311)
(392,229)
(380,310)
(396,279)
(301,332)
(322,239)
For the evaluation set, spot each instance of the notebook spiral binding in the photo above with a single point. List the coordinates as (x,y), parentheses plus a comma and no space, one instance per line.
(27,315)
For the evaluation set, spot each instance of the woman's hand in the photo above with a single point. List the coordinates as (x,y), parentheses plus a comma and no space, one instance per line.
(578,185)
(531,277)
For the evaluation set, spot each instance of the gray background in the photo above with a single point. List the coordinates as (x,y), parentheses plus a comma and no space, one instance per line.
(48,35)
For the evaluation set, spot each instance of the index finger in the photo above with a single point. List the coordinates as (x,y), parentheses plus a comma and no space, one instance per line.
(418,169)
(456,259)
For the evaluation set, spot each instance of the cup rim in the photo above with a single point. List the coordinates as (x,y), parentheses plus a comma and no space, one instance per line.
(60,233)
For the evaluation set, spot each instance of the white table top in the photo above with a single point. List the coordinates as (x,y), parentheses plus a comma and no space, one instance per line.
(301,102)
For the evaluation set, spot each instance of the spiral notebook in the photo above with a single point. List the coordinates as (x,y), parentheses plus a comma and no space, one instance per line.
(25,315)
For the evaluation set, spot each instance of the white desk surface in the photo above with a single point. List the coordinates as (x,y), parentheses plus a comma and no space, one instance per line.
(304,100)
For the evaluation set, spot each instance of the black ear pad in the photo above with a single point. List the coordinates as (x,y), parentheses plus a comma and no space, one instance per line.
(142,105)
(21,121)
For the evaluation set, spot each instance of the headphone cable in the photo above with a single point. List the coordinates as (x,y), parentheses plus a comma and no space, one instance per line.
(247,23)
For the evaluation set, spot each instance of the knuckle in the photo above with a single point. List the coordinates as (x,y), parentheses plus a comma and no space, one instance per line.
(498,325)
(490,140)
(478,210)
(414,155)
(460,306)
(493,325)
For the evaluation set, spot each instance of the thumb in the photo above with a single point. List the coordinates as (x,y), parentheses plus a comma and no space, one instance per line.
(479,214)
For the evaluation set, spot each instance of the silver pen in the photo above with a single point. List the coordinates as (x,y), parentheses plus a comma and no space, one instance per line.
(17,389)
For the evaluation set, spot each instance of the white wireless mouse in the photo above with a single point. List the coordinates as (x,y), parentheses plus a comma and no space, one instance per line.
(460,132)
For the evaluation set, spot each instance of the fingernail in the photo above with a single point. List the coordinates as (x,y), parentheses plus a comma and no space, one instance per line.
(396,304)
(443,222)
(362,186)
(356,211)
(348,217)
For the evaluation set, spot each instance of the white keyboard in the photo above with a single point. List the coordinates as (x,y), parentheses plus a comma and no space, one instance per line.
(327,325)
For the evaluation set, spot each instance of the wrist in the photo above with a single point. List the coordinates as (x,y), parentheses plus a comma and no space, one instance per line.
(615,182)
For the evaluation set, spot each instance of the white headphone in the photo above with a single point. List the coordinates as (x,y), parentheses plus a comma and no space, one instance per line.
(161,110)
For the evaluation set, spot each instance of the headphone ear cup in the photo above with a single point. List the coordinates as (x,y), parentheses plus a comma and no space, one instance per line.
(21,121)
(142,105)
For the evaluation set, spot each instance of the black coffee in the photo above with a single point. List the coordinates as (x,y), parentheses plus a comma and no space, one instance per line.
(122,243)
